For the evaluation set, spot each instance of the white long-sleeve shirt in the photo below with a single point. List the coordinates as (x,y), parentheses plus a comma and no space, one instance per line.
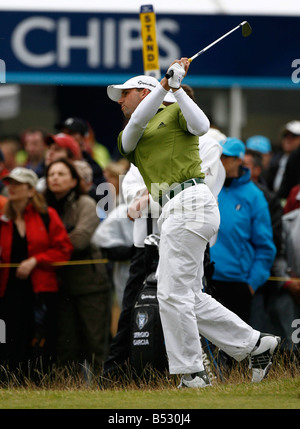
(197,121)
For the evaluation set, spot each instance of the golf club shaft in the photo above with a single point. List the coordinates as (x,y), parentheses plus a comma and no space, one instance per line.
(215,42)
(168,75)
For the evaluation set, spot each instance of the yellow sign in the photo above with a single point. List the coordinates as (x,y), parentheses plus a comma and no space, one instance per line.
(150,47)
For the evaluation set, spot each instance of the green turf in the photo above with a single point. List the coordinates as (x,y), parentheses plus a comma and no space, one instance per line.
(283,393)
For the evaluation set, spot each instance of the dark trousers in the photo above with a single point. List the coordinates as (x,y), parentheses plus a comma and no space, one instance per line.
(31,329)
(83,329)
(120,345)
(236,296)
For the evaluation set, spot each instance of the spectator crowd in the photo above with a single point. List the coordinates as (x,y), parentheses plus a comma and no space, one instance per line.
(66,256)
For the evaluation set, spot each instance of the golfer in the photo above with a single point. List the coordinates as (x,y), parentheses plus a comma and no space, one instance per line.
(162,141)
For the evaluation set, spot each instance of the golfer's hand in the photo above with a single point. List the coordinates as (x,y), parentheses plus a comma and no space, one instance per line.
(176,72)
(25,268)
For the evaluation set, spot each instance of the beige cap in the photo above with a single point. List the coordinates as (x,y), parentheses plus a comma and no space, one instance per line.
(84,170)
(22,175)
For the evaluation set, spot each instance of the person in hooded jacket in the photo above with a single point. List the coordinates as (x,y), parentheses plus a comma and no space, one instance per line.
(244,251)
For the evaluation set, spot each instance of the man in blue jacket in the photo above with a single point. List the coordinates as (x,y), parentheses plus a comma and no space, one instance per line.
(244,251)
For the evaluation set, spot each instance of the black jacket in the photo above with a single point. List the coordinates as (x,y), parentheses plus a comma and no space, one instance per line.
(291,176)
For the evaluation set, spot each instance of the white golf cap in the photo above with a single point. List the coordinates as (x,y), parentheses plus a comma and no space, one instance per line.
(115,91)
(170,98)
(293,127)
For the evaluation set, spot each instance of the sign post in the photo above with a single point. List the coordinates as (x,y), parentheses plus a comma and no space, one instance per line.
(150,46)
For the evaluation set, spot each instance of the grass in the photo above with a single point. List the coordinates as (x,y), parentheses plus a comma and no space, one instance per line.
(70,390)
(272,394)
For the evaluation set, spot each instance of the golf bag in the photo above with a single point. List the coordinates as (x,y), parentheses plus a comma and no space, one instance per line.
(147,348)
(147,340)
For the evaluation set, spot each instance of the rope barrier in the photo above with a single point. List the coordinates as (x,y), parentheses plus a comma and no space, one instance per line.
(283,279)
(105,261)
(62,263)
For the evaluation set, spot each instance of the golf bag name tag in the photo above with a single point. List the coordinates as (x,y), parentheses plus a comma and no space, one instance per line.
(141,338)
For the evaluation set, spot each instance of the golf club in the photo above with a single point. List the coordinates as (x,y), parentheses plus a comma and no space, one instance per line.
(246,31)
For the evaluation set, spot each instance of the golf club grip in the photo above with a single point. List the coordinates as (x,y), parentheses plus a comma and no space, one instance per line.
(170,74)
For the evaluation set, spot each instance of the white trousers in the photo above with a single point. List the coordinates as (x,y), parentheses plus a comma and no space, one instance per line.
(186,224)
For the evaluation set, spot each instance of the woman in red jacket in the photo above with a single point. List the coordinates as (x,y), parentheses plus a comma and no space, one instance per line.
(32,238)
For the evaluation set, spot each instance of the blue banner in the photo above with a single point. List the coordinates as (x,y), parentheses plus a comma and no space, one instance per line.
(100,49)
